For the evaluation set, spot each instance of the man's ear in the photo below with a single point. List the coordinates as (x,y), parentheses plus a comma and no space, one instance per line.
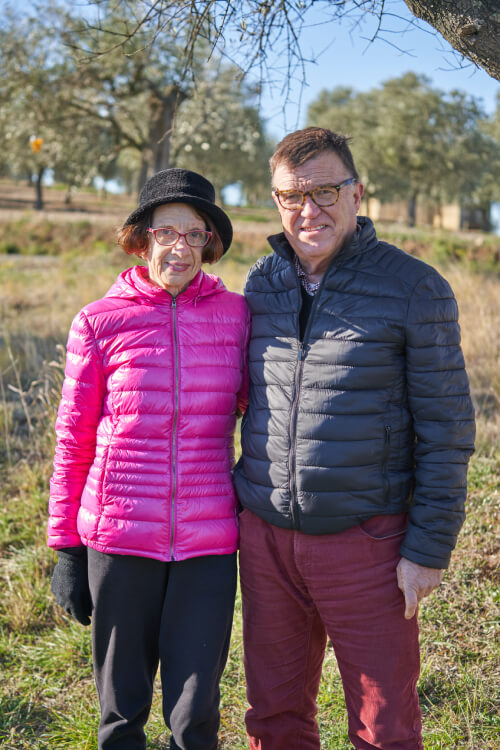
(359,189)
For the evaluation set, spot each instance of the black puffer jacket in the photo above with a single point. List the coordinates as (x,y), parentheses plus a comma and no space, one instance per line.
(371,414)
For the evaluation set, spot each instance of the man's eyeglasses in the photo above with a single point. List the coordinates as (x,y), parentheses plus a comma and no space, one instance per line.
(167,236)
(326,195)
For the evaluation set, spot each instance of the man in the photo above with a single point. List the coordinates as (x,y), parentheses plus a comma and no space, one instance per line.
(355,450)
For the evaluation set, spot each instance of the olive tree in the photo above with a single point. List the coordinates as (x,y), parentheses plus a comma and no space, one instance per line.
(413,142)
(117,111)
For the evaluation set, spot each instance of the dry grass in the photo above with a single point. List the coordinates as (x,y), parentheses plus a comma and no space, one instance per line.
(478,298)
(47,699)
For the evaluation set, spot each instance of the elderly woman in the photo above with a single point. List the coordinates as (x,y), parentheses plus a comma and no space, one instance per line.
(142,508)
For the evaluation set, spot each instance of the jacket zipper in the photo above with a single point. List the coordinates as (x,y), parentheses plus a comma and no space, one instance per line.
(292,456)
(174,427)
(294,411)
(385,459)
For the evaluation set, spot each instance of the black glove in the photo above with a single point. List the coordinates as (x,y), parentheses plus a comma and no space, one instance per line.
(70,583)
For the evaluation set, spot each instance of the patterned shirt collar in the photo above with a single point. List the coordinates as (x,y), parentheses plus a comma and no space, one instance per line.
(311,287)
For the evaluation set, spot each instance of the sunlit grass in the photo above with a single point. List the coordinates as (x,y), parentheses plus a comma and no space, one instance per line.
(47,696)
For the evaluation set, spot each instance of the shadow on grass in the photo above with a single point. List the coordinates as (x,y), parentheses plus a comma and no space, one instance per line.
(22,720)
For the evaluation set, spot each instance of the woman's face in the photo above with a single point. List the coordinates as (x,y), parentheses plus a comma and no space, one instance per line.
(173,267)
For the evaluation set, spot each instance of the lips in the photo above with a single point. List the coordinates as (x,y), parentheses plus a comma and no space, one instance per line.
(316,228)
(176,267)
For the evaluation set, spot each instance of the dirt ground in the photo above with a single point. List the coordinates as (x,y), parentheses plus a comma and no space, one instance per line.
(19,198)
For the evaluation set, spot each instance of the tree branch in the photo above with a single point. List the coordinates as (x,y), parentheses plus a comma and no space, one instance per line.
(472,27)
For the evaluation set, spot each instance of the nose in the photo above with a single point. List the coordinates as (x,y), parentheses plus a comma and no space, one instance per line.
(181,247)
(309,208)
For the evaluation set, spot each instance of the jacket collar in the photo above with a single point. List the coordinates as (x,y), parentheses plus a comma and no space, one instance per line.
(134,284)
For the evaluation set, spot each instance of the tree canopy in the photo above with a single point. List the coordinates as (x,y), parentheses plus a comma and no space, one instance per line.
(115,113)
(413,142)
(123,88)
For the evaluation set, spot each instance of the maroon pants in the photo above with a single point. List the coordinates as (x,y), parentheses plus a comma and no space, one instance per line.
(299,589)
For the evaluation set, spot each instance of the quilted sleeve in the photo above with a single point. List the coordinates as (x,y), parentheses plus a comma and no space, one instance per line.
(76,425)
(243,392)
(443,419)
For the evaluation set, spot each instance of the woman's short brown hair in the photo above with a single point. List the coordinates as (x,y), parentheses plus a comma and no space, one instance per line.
(134,238)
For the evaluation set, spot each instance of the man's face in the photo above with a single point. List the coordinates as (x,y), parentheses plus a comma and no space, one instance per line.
(317,233)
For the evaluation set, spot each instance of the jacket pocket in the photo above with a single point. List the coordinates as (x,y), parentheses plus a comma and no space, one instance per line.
(105,467)
(385,464)
(379,528)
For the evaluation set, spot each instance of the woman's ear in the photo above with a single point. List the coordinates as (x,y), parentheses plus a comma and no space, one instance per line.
(146,248)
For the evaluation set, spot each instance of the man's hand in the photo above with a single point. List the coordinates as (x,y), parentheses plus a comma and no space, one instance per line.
(416,581)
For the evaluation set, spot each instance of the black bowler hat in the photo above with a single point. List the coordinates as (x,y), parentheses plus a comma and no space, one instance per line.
(182,186)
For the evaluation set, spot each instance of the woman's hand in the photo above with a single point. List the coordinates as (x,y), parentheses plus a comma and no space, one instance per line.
(70,583)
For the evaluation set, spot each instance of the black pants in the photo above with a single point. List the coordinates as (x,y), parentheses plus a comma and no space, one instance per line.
(178,614)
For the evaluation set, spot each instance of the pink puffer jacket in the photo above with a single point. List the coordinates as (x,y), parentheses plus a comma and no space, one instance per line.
(146,421)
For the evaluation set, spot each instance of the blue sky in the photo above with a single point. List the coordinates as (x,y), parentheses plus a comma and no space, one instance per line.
(346,57)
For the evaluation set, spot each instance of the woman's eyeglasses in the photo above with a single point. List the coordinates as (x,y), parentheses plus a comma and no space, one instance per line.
(167,236)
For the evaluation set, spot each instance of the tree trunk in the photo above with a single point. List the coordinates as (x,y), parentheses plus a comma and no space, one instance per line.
(472,27)
(38,187)
(218,194)
(412,210)
(143,171)
(161,118)
(160,131)
(486,214)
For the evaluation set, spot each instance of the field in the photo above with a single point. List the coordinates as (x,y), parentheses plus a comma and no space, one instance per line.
(50,266)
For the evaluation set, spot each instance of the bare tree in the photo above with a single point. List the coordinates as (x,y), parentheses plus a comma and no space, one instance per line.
(250,30)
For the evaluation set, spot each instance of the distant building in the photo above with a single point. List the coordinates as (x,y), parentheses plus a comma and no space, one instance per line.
(451,216)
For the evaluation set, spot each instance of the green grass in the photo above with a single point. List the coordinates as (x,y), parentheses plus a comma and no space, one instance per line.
(47,695)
